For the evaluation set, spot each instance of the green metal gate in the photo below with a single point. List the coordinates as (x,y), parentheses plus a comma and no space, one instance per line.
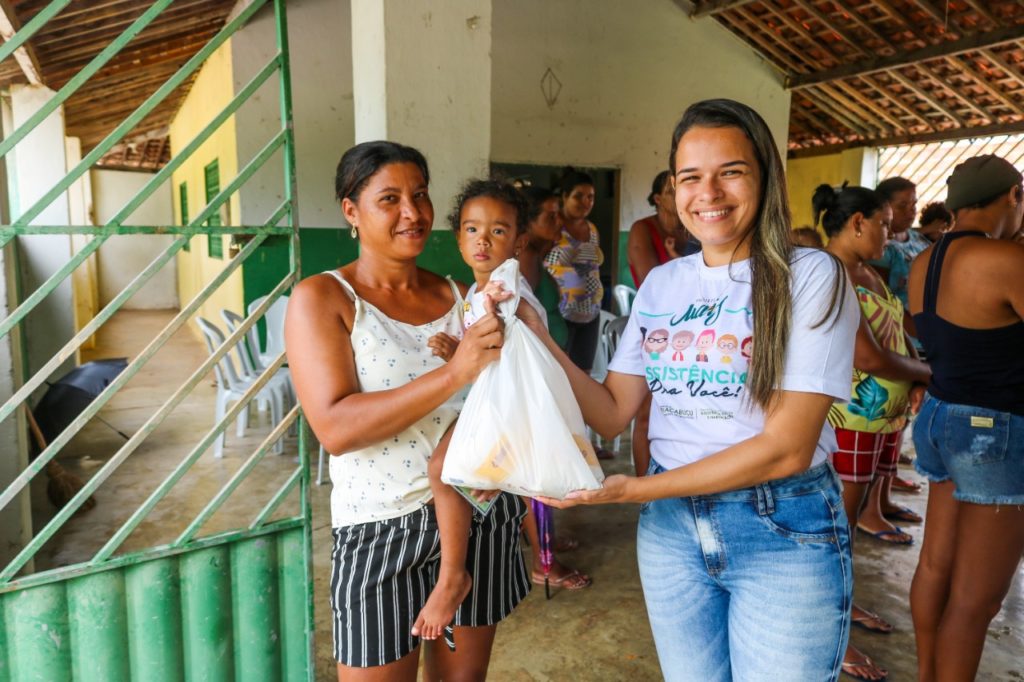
(232,605)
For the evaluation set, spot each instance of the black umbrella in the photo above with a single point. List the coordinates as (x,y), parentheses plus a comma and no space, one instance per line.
(71,394)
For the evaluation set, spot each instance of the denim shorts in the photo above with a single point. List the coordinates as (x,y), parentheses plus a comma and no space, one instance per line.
(980,450)
(751,584)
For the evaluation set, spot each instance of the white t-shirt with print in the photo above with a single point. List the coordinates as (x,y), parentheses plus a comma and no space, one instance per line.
(690,335)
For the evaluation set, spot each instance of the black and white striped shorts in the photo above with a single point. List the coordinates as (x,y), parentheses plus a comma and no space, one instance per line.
(382,573)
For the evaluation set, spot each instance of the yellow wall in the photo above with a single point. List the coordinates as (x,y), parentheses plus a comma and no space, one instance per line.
(211,92)
(804,175)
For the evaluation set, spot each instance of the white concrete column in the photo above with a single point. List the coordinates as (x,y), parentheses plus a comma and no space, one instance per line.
(37,163)
(422,77)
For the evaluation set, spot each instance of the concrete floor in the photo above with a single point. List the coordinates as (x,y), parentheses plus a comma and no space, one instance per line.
(600,633)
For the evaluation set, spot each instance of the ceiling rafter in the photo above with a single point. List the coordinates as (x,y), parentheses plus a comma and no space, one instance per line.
(966,43)
(25,55)
(710,7)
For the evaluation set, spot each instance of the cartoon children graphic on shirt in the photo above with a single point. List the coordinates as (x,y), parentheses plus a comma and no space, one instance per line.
(727,344)
(747,347)
(704,341)
(656,343)
(680,342)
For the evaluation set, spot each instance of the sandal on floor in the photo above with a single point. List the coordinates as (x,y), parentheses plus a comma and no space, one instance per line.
(871,622)
(849,668)
(863,661)
(603,453)
(565,545)
(573,580)
(904,514)
(904,485)
(890,536)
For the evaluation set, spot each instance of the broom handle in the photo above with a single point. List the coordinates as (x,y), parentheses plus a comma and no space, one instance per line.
(36,431)
(52,468)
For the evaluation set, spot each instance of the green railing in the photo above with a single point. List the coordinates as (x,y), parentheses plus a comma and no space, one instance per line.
(233,605)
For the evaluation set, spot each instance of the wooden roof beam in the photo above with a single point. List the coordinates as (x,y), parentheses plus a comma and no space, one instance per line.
(710,7)
(820,18)
(910,85)
(889,97)
(994,93)
(1011,72)
(969,42)
(24,55)
(940,136)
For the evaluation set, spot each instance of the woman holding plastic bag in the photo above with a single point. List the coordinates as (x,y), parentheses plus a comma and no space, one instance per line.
(379,400)
(743,545)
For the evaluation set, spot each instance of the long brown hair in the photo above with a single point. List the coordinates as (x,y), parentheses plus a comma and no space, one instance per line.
(770,246)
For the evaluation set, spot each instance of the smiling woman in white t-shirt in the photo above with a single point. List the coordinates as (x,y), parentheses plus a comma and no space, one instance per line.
(743,544)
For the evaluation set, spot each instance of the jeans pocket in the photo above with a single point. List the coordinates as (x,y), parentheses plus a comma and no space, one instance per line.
(976,435)
(803,518)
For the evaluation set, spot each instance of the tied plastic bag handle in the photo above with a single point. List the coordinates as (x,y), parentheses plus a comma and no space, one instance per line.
(508,275)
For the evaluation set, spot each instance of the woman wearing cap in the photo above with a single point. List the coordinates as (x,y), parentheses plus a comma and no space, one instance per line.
(967,298)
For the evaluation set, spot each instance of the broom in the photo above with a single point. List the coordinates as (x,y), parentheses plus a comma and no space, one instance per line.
(63,485)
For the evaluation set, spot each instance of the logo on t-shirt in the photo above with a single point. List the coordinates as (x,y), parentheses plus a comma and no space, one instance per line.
(702,352)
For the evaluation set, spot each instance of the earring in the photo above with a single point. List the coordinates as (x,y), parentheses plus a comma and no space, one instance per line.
(857,233)
(355,232)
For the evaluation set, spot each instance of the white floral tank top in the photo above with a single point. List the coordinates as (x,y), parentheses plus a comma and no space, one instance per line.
(389,479)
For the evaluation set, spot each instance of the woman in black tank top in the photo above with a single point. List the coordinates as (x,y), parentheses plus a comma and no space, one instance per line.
(967,297)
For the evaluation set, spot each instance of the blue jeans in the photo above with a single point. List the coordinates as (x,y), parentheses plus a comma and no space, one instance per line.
(981,450)
(753,584)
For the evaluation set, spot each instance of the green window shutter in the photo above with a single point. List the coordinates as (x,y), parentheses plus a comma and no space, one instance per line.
(183,205)
(214,242)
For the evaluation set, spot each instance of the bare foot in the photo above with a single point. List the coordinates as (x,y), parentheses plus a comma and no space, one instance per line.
(441,605)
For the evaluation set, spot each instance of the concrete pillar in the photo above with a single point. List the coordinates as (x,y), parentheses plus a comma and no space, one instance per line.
(36,164)
(422,77)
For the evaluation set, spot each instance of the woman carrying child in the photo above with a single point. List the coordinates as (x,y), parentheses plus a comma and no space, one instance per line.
(358,354)
(743,545)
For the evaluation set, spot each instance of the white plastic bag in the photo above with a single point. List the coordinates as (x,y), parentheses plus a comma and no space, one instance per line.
(521,429)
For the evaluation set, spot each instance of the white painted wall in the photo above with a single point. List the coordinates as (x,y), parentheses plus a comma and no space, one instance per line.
(628,70)
(123,257)
(319,37)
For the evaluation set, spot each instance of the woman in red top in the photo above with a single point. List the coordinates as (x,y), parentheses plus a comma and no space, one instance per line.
(657,238)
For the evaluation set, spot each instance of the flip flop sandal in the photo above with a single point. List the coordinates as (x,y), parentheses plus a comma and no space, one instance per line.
(885,535)
(904,514)
(905,486)
(848,668)
(868,617)
(566,545)
(572,581)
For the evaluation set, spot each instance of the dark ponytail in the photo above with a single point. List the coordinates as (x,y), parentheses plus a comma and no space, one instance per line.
(658,186)
(834,206)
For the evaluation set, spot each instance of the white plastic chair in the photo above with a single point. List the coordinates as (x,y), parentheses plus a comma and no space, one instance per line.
(320,466)
(599,368)
(251,363)
(623,297)
(274,320)
(611,332)
(231,387)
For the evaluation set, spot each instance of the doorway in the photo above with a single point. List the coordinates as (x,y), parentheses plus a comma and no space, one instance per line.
(605,215)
